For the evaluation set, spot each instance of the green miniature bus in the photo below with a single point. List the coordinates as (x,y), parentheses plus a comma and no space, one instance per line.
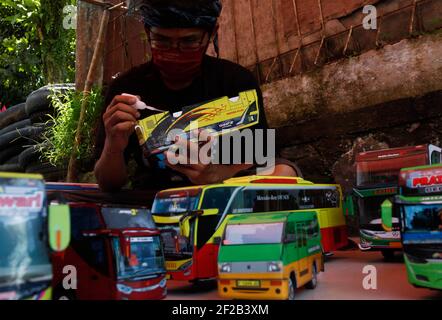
(267,256)
(419,206)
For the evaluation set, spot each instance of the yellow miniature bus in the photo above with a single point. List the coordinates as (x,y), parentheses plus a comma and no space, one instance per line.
(192,219)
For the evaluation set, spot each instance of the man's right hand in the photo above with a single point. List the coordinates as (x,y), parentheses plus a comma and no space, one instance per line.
(119,121)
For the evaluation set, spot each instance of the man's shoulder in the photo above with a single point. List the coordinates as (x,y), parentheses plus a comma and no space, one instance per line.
(133,73)
(227,65)
(230,74)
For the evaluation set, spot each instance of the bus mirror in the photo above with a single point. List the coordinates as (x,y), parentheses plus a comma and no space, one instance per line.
(59,227)
(211,212)
(217,241)
(387,215)
(290,238)
(349,207)
(205,212)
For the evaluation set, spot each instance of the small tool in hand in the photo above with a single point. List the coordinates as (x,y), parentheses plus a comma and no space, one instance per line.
(140,105)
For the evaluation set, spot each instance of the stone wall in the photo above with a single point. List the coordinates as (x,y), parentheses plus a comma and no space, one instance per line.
(390,97)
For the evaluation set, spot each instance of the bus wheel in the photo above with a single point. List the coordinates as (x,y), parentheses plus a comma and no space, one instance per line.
(292,288)
(314,281)
(388,254)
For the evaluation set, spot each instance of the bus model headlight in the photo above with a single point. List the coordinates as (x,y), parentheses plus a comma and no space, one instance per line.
(163,283)
(124,289)
(274,266)
(225,267)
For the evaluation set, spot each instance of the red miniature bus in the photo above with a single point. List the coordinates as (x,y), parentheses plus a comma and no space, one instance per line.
(116,250)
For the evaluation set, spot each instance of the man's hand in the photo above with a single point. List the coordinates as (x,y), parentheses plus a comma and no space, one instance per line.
(200,173)
(119,122)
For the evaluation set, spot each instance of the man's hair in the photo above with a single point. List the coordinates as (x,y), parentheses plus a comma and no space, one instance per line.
(181,13)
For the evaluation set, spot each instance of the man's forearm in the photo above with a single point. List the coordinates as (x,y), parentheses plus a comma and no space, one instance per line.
(111,171)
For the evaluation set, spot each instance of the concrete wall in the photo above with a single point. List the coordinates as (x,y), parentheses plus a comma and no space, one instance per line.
(407,69)
(386,98)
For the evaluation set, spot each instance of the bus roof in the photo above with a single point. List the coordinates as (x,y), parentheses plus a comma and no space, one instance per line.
(267,180)
(252,181)
(391,153)
(9,175)
(427,168)
(256,218)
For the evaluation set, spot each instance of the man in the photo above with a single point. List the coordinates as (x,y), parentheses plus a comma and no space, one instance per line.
(180,74)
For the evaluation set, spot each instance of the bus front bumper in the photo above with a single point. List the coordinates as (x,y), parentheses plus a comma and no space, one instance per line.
(266,290)
(368,243)
(427,275)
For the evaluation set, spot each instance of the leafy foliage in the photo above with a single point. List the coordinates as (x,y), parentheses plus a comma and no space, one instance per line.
(60,134)
(34,48)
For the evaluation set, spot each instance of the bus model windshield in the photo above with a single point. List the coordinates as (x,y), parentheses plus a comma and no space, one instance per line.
(24,255)
(422,223)
(370,211)
(146,258)
(179,203)
(172,250)
(265,233)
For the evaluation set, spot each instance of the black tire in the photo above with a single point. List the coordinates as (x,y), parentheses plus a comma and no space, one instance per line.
(314,281)
(11,168)
(12,115)
(388,254)
(30,154)
(21,136)
(292,288)
(9,152)
(39,99)
(49,172)
(40,117)
(16,125)
(13,160)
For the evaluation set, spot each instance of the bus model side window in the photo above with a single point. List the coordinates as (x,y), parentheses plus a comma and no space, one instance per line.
(217,198)
(312,229)
(289,200)
(301,235)
(332,198)
(305,199)
(83,219)
(304,233)
(290,232)
(435,157)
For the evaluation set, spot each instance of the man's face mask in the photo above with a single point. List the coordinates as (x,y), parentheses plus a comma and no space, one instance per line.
(179,64)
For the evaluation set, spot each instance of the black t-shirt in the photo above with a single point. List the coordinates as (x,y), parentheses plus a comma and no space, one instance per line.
(218,78)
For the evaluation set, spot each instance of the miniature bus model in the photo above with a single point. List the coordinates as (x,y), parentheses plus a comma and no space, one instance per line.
(192,219)
(419,208)
(116,249)
(29,230)
(268,256)
(377,175)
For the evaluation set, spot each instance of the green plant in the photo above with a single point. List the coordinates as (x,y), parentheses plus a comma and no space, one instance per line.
(62,127)
(35,49)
